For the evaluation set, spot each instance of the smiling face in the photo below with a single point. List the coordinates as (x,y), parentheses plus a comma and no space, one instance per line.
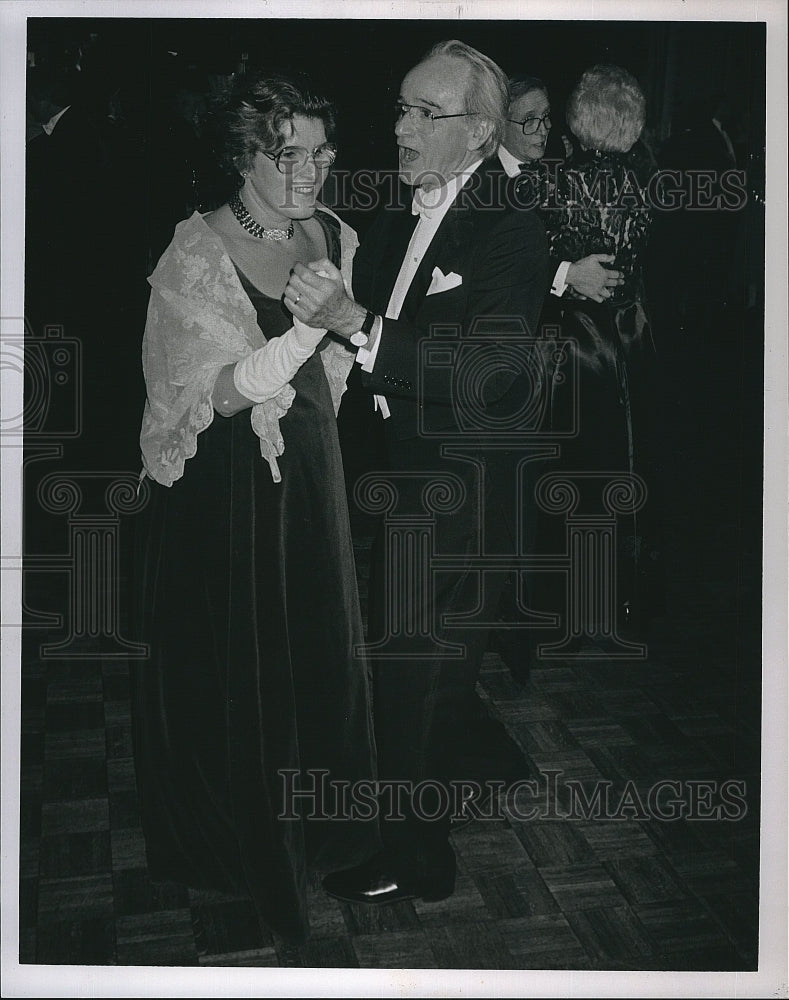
(274,198)
(431,154)
(526,148)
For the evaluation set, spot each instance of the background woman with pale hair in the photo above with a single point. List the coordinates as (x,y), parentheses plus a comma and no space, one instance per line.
(601,206)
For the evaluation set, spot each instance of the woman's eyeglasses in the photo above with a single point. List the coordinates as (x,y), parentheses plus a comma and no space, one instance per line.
(289,159)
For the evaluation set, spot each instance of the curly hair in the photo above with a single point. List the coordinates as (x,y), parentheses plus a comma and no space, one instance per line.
(254,116)
(487,89)
(607,109)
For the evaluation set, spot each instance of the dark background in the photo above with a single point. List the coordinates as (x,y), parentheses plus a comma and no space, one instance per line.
(360,63)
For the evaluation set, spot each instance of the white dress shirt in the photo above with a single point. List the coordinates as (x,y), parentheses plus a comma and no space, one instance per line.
(431,207)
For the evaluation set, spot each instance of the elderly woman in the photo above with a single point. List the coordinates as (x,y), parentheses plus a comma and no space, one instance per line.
(526,154)
(250,604)
(600,205)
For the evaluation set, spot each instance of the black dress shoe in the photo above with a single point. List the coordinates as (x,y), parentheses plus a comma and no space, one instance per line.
(372,883)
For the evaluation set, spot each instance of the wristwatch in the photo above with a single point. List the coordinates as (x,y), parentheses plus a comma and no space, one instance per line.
(360,338)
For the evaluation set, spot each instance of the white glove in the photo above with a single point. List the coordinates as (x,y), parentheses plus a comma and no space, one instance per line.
(267,370)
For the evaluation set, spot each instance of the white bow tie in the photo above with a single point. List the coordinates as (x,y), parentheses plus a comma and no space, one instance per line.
(417,208)
(424,203)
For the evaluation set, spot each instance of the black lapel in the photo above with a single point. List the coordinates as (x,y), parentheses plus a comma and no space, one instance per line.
(331,230)
(401,223)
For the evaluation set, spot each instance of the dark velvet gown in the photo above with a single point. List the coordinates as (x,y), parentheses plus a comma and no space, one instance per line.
(250,607)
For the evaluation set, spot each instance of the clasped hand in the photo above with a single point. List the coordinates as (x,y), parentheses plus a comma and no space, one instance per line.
(315,294)
(591,280)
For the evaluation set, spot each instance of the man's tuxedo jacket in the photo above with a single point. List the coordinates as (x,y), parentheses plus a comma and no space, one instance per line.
(499,252)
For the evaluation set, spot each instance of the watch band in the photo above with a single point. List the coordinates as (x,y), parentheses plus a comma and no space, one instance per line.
(360,338)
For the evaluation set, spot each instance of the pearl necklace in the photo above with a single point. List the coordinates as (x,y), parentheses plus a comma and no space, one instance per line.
(238,209)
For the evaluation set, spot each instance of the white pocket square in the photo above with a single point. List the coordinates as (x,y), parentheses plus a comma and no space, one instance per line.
(443,282)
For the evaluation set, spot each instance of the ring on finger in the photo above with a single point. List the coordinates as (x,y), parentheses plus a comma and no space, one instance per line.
(296,300)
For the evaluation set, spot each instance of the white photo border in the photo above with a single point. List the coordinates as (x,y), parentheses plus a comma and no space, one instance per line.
(79,981)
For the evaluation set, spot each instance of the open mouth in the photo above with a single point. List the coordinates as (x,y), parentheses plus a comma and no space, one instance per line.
(306,190)
(406,154)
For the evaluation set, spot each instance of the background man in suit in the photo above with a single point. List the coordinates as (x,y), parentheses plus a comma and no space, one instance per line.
(524,144)
(477,267)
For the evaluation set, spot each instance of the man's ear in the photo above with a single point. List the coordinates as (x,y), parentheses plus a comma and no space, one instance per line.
(478,133)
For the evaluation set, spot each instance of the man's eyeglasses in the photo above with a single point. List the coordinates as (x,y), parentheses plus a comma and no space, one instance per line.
(422,118)
(289,159)
(531,125)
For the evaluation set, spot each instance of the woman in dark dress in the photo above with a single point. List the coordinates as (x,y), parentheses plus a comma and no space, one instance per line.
(594,207)
(249,598)
(530,152)
(599,204)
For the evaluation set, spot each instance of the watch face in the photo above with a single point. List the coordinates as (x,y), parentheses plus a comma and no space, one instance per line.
(359,339)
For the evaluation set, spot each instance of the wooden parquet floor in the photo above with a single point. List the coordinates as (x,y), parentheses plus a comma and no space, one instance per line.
(570,891)
(623,890)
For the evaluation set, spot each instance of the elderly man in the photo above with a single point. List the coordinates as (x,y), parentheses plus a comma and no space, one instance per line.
(457,263)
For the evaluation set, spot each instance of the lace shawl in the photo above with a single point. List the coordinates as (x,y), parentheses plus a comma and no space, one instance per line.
(199,320)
